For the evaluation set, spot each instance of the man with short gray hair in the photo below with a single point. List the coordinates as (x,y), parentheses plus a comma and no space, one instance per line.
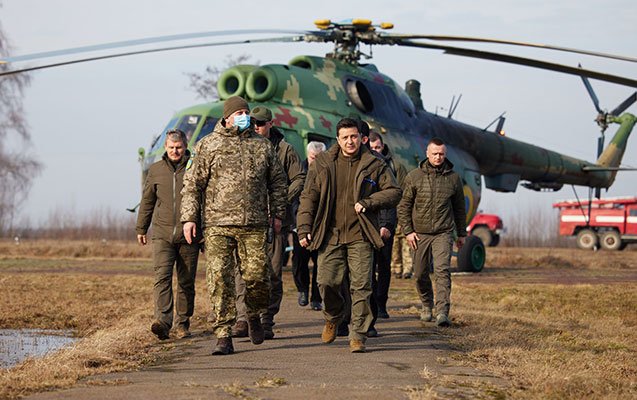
(161,202)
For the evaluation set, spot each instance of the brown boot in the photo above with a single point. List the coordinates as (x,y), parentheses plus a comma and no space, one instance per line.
(255,330)
(182,332)
(240,329)
(224,347)
(329,332)
(356,346)
(160,330)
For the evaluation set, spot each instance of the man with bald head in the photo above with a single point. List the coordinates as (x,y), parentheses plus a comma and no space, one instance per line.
(432,213)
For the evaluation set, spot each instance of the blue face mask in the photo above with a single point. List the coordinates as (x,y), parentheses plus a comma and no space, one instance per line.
(242,121)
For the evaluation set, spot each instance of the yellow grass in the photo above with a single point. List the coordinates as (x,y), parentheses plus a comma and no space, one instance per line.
(546,340)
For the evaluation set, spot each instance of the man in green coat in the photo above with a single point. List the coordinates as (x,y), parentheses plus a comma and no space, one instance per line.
(432,212)
(345,188)
(161,202)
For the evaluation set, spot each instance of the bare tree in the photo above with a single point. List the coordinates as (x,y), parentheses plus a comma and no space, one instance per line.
(17,168)
(205,84)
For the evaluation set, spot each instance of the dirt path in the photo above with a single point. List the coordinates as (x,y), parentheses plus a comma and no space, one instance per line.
(406,358)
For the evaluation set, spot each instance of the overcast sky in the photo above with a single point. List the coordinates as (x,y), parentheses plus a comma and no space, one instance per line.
(88,120)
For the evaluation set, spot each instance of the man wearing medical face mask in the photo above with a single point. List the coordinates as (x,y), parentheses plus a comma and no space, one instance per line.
(245,191)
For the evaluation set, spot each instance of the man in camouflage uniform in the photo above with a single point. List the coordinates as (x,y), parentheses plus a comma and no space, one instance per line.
(161,201)
(295,173)
(245,191)
(338,216)
(431,211)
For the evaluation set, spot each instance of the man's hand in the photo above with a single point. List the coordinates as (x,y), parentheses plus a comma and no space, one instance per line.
(276,224)
(141,239)
(460,242)
(385,233)
(358,207)
(305,241)
(412,239)
(190,231)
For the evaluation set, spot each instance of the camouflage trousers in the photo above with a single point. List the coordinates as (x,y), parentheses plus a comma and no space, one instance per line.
(229,248)
(401,257)
(336,263)
(439,248)
(182,257)
(276,251)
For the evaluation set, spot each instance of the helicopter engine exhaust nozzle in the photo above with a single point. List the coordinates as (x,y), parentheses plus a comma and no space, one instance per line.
(612,156)
(232,82)
(262,84)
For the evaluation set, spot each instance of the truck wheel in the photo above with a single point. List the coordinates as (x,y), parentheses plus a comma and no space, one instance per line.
(495,241)
(484,234)
(587,239)
(472,255)
(611,240)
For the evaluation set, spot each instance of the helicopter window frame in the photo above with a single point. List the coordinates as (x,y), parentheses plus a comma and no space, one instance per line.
(209,122)
(159,140)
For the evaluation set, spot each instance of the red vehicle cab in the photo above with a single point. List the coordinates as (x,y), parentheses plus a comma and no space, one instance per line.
(487,227)
(610,223)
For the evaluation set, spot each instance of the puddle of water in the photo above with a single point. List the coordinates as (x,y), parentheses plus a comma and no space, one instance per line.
(18,344)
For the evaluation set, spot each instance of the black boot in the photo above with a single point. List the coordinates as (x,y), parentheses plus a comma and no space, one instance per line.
(223,347)
(255,330)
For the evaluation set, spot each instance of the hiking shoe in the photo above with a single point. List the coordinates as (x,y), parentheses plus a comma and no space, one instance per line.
(356,346)
(398,275)
(382,313)
(255,330)
(160,330)
(240,329)
(426,315)
(317,306)
(182,332)
(407,275)
(224,347)
(268,333)
(303,299)
(343,330)
(442,320)
(329,332)
(372,332)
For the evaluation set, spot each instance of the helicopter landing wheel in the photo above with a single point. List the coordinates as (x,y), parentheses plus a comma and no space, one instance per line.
(472,255)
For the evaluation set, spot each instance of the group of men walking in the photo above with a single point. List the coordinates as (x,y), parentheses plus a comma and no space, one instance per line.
(241,187)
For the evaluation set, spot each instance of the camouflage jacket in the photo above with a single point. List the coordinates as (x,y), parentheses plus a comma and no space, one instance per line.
(375,187)
(433,201)
(161,200)
(241,177)
(291,163)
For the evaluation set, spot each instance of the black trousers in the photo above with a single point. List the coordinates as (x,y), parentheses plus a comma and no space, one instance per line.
(301,271)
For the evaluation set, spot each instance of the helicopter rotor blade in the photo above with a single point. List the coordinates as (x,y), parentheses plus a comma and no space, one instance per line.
(513,43)
(522,61)
(591,92)
(625,104)
(144,41)
(156,50)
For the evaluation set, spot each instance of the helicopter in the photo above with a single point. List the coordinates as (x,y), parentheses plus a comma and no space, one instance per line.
(310,94)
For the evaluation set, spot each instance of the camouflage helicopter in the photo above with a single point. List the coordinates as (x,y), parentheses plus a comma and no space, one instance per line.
(310,94)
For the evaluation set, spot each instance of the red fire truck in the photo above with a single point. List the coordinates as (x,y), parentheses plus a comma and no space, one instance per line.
(610,223)
(487,227)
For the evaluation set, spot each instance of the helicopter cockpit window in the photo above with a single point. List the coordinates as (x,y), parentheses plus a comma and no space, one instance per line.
(207,128)
(188,124)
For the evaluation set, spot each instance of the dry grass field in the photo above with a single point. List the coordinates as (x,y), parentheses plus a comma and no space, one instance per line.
(554,323)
